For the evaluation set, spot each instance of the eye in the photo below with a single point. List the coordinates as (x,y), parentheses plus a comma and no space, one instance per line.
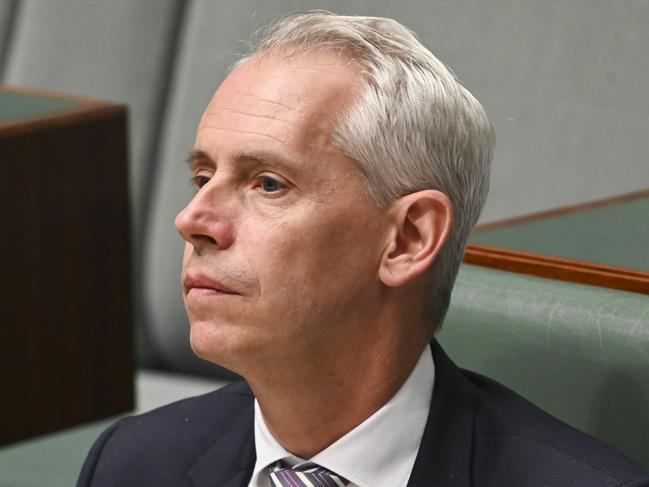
(270,185)
(200,180)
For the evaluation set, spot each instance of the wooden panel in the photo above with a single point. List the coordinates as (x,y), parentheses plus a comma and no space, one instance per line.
(525,262)
(66,349)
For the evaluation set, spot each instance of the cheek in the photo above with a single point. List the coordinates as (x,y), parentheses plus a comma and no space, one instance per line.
(187,252)
(320,258)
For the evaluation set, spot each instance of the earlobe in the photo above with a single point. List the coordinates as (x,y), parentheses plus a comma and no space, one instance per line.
(422,223)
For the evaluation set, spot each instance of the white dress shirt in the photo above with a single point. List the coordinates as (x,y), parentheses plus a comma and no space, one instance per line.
(379,452)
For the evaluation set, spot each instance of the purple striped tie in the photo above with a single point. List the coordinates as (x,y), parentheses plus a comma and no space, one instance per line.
(311,476)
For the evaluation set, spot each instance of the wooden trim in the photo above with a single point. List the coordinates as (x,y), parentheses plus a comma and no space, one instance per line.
(60,119)
(51,94)
(89,109)
(558,268)
(518,220)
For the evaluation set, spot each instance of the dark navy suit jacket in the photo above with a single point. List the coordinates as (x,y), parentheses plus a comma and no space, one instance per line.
(478,433)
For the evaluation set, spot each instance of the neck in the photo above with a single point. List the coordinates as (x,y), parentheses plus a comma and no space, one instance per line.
(310,403)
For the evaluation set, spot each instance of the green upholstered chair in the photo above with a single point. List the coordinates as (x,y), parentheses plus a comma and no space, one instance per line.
(579,352)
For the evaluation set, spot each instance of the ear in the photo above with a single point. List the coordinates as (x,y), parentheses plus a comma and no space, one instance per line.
(421,224)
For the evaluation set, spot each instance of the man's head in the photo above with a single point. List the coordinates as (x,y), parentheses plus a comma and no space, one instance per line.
(330,164)
(412,126)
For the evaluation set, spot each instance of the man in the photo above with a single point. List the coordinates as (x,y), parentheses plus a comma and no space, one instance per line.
(339,171)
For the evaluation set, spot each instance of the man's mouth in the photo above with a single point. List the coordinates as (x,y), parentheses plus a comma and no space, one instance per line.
(202,285)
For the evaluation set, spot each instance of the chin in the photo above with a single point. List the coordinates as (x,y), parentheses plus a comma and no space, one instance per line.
(221,344)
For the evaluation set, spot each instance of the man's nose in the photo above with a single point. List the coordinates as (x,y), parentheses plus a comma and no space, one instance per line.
(204,222)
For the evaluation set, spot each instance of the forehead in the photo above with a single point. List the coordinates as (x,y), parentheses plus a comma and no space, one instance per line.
(292,102)
(292,82)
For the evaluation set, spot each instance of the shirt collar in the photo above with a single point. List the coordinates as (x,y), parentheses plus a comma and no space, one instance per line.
(363,456)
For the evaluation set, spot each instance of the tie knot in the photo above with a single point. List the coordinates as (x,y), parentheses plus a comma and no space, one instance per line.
(305,476)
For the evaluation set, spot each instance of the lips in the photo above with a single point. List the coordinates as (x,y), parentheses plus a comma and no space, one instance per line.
(199,284)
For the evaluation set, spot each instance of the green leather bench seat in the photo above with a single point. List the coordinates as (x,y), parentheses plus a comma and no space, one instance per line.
(615,235)
(579,352)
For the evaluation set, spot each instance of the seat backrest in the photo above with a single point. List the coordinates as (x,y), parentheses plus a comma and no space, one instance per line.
(579,352)
(118,51)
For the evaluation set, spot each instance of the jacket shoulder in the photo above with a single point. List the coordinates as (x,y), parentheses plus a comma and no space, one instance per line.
(517,443)
(160,446)
(193,417)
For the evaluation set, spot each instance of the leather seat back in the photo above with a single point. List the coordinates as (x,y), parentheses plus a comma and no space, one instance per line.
(579,352)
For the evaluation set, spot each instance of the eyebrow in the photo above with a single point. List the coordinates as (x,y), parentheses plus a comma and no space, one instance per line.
(195,156)
(261,157)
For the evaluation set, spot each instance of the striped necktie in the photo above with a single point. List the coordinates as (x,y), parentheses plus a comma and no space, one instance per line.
(310,476)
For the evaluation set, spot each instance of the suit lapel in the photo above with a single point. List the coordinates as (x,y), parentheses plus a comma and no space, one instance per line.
(444,458)
(230,461)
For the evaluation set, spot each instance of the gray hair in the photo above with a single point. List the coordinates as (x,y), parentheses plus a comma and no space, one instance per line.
(412,127)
